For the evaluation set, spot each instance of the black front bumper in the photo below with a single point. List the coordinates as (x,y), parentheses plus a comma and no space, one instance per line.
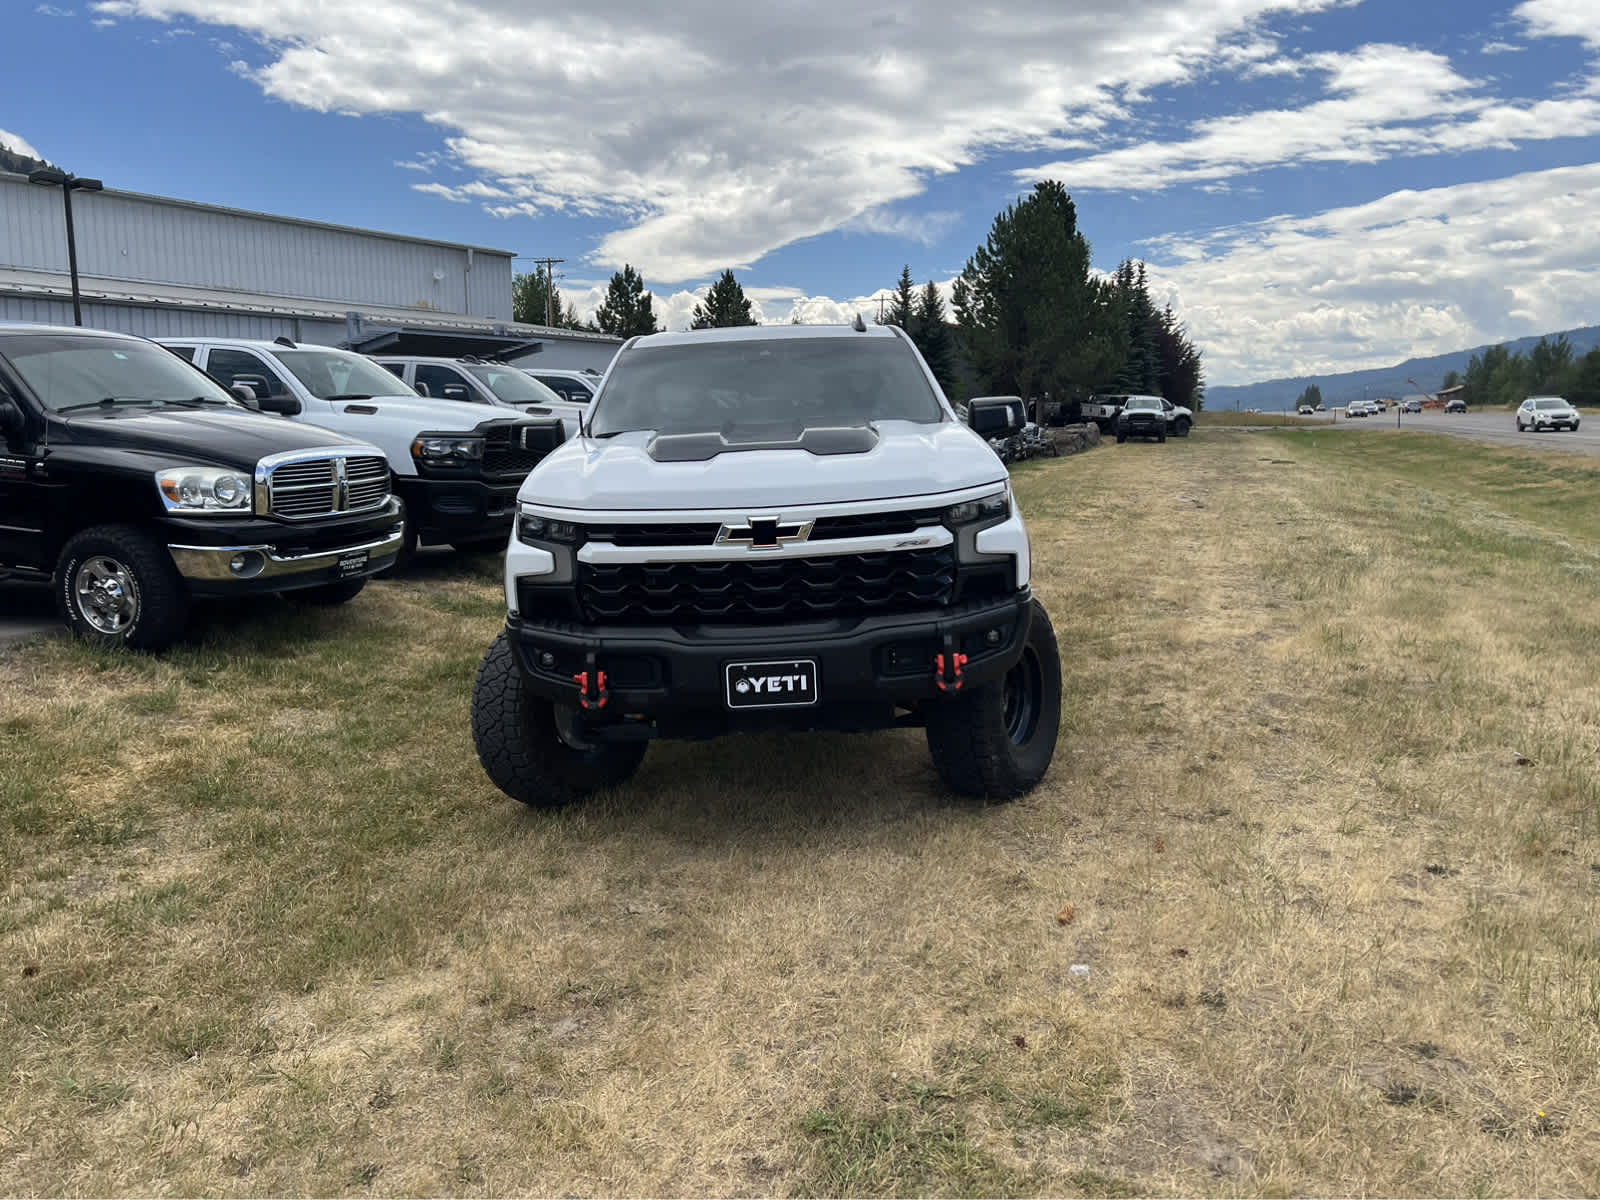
(458,510)
(280,556)
(867,667)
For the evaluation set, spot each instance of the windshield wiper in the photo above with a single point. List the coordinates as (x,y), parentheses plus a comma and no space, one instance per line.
(349,396)
(204,400)
(108,402)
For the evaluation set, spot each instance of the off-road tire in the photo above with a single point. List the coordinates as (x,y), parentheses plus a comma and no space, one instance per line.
(515,735)
(330,594)
(1162,436)
(984,748)
(158,600)
(1182,427)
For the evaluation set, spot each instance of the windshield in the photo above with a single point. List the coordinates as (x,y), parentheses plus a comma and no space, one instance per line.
(511,386)
(66,370)
(329,374)
(1557,403)
(1144,404)
(776,386)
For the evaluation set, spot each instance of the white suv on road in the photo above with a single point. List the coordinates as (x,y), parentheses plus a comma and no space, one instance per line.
(778,527)
(1546,412)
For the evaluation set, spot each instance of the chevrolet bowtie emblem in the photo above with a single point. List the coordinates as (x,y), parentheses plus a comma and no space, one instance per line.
(764,533)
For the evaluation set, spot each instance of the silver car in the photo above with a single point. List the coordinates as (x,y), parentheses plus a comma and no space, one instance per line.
(1546,412)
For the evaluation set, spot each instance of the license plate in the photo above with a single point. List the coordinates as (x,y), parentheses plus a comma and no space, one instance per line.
(353,563)
(790,683)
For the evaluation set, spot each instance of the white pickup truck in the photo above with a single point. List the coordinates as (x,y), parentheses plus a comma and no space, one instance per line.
(773,527)
(456,465)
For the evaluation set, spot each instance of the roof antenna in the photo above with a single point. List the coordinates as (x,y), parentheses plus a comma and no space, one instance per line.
(280,340)
(859,326)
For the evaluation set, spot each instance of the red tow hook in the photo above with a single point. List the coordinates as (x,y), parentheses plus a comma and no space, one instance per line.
(952,681)
(599,697)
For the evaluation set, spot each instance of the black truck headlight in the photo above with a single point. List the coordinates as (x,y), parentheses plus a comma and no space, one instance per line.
(190,491)
(985,509)
(534,529)
(447,451)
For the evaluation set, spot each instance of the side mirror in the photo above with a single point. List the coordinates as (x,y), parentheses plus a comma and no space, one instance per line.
(245,395)
(283,404)
(454,391)
(12,420)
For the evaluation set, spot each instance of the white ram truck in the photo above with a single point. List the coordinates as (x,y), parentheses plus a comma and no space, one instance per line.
(773,527)
(457,465)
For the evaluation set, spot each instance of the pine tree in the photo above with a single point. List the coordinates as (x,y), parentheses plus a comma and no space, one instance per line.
(933,337)
(903,308)
(1031,318)
(1181,377)
(628,310)
(725,305)
(535,300)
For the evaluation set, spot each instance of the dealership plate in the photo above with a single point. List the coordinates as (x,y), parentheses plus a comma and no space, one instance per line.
(789,683)
(353,563)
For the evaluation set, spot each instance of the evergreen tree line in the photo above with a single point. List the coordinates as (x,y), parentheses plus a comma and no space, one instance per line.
(1032,318)
(922,314)
(1499,377)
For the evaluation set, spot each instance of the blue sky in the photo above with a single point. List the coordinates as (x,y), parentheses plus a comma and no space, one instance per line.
(1317,184)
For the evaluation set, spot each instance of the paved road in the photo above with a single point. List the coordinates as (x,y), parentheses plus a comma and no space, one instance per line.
(1497,427)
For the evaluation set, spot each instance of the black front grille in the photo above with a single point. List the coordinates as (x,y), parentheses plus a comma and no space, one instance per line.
(873,524)
(503,453)
(757,592)
(654,535)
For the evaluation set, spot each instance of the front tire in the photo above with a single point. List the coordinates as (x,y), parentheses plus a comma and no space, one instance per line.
(521,750)
(1182,429)
(117,586)
(995,742)
(1520,427)
(1162,436)
(1121,437)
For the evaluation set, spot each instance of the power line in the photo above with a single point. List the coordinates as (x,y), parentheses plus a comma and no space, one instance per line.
(549,287)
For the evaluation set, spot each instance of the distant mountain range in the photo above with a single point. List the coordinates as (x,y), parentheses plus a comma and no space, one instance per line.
(1279,394)
(12,160)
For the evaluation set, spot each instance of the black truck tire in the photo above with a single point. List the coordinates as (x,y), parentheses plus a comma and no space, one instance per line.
(521,751)
(330,594)
(117,586)
(996,741)
(1181,427)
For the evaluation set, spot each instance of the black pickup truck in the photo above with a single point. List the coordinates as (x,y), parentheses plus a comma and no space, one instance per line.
(135,482)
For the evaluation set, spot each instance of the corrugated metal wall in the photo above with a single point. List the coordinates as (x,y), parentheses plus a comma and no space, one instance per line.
(154,322)
(144,239)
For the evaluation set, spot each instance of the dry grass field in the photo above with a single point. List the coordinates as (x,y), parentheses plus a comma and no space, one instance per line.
(1322,827)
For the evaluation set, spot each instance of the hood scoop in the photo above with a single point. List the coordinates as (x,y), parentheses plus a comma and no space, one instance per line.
(702,447)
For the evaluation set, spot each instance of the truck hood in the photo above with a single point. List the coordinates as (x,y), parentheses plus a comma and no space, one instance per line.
(910,459)
(226,437)
(423,412)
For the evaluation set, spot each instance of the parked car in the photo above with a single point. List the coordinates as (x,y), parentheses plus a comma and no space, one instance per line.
(1546,412)
(135,484)
(1306,410)
(1356,408)
(1103,410)
(1380,405)
(1455,405)
(479,382)
(807,538)
(1412,405)
(575,387)
(456,465)
(1142,416)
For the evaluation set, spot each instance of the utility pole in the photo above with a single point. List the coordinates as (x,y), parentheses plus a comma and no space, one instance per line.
(882,300)
(549,286)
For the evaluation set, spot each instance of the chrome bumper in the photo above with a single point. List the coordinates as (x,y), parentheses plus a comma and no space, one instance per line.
(213,563)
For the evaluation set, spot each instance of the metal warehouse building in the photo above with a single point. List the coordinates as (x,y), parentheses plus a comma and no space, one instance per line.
(167,268)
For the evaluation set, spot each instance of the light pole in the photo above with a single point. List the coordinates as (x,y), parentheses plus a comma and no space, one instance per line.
(68,184)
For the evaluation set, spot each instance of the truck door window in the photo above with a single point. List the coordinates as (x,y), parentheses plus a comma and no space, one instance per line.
(445,383)
(227,365)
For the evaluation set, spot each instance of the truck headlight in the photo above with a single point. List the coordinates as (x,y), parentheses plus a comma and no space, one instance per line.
(994,507)
(447,451)
(536,530)
(194,490)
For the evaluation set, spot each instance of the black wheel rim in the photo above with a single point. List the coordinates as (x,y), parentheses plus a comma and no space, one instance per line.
(1023,698)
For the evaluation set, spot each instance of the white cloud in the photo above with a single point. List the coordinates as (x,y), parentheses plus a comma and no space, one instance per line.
(18,143)
(1384,102)
(1501,48)
(1560,18)
(51,10)
(1413,273)
(439,189)
(717,140)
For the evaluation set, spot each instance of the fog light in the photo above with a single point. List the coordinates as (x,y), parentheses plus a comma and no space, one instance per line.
(247,564)
(547,660)
(993,637)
